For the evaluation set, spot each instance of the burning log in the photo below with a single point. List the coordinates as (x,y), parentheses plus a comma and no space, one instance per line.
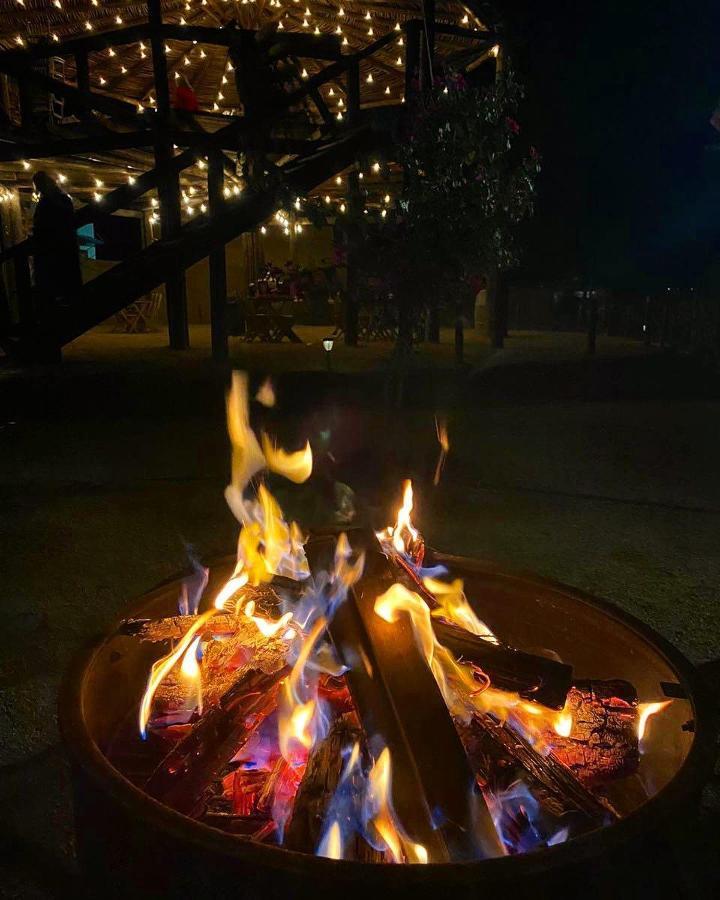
(195,762)
(500,755)
(602,742)
(537,678)
(396,696)
(318,787)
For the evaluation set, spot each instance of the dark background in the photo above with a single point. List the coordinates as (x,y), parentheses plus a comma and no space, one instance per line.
(619,97)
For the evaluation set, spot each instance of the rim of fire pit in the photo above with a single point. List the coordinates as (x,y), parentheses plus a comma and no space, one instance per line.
(693,773)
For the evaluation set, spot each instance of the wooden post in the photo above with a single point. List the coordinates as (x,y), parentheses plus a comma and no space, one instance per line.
(427,53)
(218,274)
(82,69)
(168,188)
(23,287)
(413,30)
(591,297)
(352,292)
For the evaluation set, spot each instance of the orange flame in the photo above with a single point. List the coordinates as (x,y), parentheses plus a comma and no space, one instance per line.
(297,716)
(443,440)
(563,724)
(331,844)
(453,605)
(162,667)
(266,394)
(266,626)
(402,534)
(295,466)
(190,669)
(645,711)
(382,817)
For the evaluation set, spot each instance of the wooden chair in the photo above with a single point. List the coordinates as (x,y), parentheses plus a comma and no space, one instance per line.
(138,317)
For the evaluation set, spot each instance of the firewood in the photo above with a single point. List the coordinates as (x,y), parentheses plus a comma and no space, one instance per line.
(492,744)
(536,678)
(184,775)
(603,742)
(224,660)
(317,789)
(172,628)
(396,696)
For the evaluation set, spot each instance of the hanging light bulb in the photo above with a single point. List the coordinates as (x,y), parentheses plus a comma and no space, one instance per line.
(369,79)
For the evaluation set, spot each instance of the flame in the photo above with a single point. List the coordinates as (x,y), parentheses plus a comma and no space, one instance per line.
(266,626)
(266,394)
(645,711)
(563,724)
(443,440)
(455,681)
(402,534)
(298,708)
(162,667)
(331,844)
(453,606)
(382,818)
(190,669)
(295,466)
(229,589)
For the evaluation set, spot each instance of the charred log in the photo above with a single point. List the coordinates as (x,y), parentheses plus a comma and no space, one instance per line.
(603,742)
(500,755)
(396,695)
(536,678)
(318,787)
(196,761)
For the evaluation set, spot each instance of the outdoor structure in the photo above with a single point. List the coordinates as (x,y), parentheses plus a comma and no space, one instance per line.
(201,121)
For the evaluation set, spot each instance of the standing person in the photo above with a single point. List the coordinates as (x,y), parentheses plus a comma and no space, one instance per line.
(57,259)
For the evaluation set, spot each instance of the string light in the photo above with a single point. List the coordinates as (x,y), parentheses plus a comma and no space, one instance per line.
(495,50)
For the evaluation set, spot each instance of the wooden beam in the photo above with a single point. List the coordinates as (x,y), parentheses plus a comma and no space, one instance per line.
(397,697)
(151,267)
(488,37)
(217,262)
(89,44)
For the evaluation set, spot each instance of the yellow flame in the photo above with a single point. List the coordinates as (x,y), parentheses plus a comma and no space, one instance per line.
(267,627)
(229,589)
(383,818)
(266,394)
(190,669)
(453,605)
(332,843)
(563,724)
(455,681)
(444,441)
(402,533)
(162,668)
(295,466)
(645,711)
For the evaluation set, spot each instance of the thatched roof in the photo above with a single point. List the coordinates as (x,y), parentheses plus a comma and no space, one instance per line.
(125,72)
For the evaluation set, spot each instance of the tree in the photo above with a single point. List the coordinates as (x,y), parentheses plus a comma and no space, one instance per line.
(468,183)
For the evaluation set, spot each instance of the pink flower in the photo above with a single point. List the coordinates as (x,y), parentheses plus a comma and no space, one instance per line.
(512,125)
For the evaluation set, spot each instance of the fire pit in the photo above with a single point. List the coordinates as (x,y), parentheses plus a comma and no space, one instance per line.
(352,700)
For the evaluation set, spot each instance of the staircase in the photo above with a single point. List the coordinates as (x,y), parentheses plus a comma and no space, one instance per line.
(136,276)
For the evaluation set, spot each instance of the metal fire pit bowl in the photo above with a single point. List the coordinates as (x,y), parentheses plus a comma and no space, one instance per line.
(130,845)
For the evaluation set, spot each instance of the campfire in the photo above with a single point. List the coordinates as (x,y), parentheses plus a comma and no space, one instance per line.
(339,695)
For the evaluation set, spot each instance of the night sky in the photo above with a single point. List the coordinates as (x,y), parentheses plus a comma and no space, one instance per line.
(619,98)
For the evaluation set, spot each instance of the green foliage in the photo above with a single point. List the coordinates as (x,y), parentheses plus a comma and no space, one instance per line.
(469,181)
